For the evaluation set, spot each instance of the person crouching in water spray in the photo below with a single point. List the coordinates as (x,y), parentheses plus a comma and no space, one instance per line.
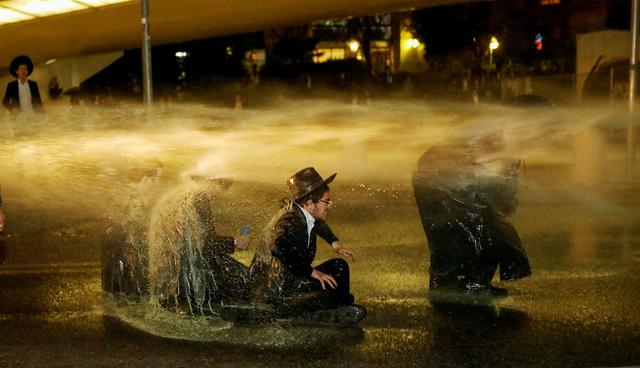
(191,269)
(295,288)
(466,191)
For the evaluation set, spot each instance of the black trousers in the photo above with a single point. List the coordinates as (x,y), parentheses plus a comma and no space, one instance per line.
(467,239)
(227,280)
(307,295)
(124,264)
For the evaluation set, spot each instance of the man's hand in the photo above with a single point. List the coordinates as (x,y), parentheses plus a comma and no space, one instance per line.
(343,251)
(3,217)
(242,242)
(323,277)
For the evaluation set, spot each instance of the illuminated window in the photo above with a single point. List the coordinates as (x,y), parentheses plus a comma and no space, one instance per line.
(12,11)
(537,40)
(549,2)
(326,54)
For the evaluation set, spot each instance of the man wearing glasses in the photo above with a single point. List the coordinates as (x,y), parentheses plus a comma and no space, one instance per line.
(295,286)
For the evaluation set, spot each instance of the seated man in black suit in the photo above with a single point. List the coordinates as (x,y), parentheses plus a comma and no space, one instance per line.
(294,285)
(190,263)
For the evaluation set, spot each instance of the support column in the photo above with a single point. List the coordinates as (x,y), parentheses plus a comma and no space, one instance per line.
(147,82)
(633,81)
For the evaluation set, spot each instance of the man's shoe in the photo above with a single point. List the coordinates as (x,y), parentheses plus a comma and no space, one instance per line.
(247,314)
(344,315)
(443,282)
(473,288)
(350,314)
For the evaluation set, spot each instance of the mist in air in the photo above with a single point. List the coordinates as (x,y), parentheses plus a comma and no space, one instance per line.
(71,167)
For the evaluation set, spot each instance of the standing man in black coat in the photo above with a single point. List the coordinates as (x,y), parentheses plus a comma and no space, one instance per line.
(295,285)
(466,192)
(22,95)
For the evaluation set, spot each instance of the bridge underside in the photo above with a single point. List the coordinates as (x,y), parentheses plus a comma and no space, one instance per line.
(118,27)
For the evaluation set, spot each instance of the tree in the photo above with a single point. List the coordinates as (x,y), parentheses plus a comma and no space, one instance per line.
(451,28)
(290,45)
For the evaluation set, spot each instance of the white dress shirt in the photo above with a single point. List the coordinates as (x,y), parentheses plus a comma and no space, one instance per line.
(310,222)
(24,92)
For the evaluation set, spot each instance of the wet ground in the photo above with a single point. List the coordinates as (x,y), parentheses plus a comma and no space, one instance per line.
(581,308)
(581,229)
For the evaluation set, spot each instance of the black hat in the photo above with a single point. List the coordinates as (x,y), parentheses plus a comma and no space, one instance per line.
(306,181)
(19,60)
(221,181)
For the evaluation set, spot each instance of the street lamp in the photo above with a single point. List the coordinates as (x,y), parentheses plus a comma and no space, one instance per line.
(413,43)
(494,44)
(354,46)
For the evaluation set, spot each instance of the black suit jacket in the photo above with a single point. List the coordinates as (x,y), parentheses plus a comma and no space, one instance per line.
(292,256)
(213,245)
(12,97)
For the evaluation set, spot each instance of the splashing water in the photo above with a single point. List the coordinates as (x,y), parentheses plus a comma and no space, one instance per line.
(65,176)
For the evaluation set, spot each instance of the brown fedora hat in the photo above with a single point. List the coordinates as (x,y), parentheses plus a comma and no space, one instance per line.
(19,60)
(307,181)
(220,181)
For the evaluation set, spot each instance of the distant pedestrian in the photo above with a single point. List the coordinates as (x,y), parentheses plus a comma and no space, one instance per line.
(22,95)
(237,104)
(54,88)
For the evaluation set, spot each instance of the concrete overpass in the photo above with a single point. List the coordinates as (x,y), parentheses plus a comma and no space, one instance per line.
(117,26)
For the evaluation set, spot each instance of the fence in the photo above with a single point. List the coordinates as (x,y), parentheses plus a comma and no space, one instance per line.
(608,84)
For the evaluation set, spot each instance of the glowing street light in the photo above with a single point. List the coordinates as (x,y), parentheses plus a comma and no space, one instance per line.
(354,46)
(494,44)
(413,43)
